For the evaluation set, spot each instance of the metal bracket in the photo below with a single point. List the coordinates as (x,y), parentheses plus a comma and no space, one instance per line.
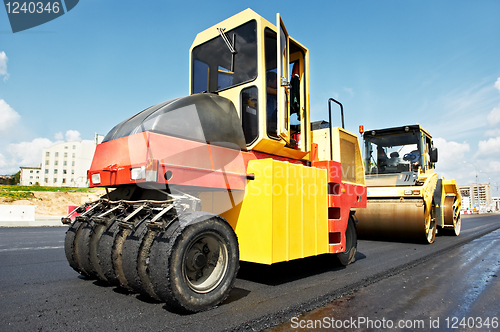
(154,224)
(126,223)
(84,217)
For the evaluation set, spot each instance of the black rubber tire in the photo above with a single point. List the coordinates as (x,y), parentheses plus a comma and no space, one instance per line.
(143,263)
(130,255)
(99,229)
(169,262)
(104,250)
(348,256)
(83,245)
(135,260)
(117,256)
(71,248)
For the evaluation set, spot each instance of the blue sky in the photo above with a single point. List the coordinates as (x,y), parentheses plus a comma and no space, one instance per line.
(390,63)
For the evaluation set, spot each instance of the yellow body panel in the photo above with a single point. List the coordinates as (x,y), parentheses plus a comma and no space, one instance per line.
(283,215)
(346,150)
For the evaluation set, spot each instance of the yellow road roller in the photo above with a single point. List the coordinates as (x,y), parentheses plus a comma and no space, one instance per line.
(407,200)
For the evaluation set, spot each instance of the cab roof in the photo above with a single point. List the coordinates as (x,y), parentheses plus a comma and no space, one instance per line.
(396,130)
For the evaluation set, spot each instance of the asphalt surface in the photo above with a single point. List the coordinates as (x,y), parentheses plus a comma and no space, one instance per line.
(40,292)
(455,291)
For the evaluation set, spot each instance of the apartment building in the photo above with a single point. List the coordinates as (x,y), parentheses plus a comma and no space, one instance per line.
(30,175)
(66,164)
(476,197)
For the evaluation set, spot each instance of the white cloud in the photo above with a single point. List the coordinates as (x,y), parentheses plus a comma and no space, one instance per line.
(494,166)
(3,161)
(73,135)
(494,116)
(3,66)
(497,84)
(8,115)
(489,148)
(492,133)
(15,155)
(449,153)
(29,153)
(350,91)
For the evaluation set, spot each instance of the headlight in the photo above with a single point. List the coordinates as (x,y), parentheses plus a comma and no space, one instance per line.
(96,178)
(138,173)
(152,170)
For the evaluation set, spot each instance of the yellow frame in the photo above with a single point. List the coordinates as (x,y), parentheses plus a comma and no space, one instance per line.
(263,143)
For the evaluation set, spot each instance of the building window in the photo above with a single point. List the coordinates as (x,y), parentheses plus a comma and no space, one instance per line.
(55,180)
(31,177)
(64,171)
(73,155)
(65,163)
(72,171)
(65,154)
(46,171)
(46,162)
(37,172)
(55,162)
(55,171)
(57,154)
(72,163)
(72,180)
(66,147)
(37,177)
(31,171)
(64,181)
(47,154)
(74,147)
(46,180)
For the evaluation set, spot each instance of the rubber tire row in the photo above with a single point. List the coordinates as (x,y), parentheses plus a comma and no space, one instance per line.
(148,262)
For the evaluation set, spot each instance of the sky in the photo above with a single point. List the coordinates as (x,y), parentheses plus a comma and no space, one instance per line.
(390,63)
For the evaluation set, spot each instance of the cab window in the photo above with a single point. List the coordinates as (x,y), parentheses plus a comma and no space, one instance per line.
(216,67)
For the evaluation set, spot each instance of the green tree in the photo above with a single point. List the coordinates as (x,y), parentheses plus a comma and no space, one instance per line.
(16,178)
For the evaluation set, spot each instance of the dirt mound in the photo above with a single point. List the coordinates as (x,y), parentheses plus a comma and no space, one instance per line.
(56,203)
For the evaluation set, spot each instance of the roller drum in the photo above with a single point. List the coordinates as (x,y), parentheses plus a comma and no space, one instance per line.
(393,219)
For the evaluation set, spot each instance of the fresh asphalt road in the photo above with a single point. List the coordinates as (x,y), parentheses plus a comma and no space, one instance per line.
(458,290)
(40,292)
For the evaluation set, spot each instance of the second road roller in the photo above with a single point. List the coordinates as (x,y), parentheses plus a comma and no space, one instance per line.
(407,200)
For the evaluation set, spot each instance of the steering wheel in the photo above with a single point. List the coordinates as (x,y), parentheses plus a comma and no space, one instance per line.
(410,157)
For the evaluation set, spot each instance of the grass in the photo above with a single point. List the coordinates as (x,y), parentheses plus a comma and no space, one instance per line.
(14,193)
(40,188)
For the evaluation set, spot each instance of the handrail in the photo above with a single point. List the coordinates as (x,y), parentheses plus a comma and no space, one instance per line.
(330,121)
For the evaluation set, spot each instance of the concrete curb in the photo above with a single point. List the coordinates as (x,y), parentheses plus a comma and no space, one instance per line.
(40,221)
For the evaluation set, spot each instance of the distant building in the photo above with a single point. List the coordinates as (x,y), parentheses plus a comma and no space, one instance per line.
(496,203)
(66,164)
(30,175)
(471,200)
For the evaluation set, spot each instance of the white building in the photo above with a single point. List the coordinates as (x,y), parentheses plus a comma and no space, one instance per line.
(496,203)
(474,202)
(66,164)
(30,175)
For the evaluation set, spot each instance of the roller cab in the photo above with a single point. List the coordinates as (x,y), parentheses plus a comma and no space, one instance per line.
(406,198)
